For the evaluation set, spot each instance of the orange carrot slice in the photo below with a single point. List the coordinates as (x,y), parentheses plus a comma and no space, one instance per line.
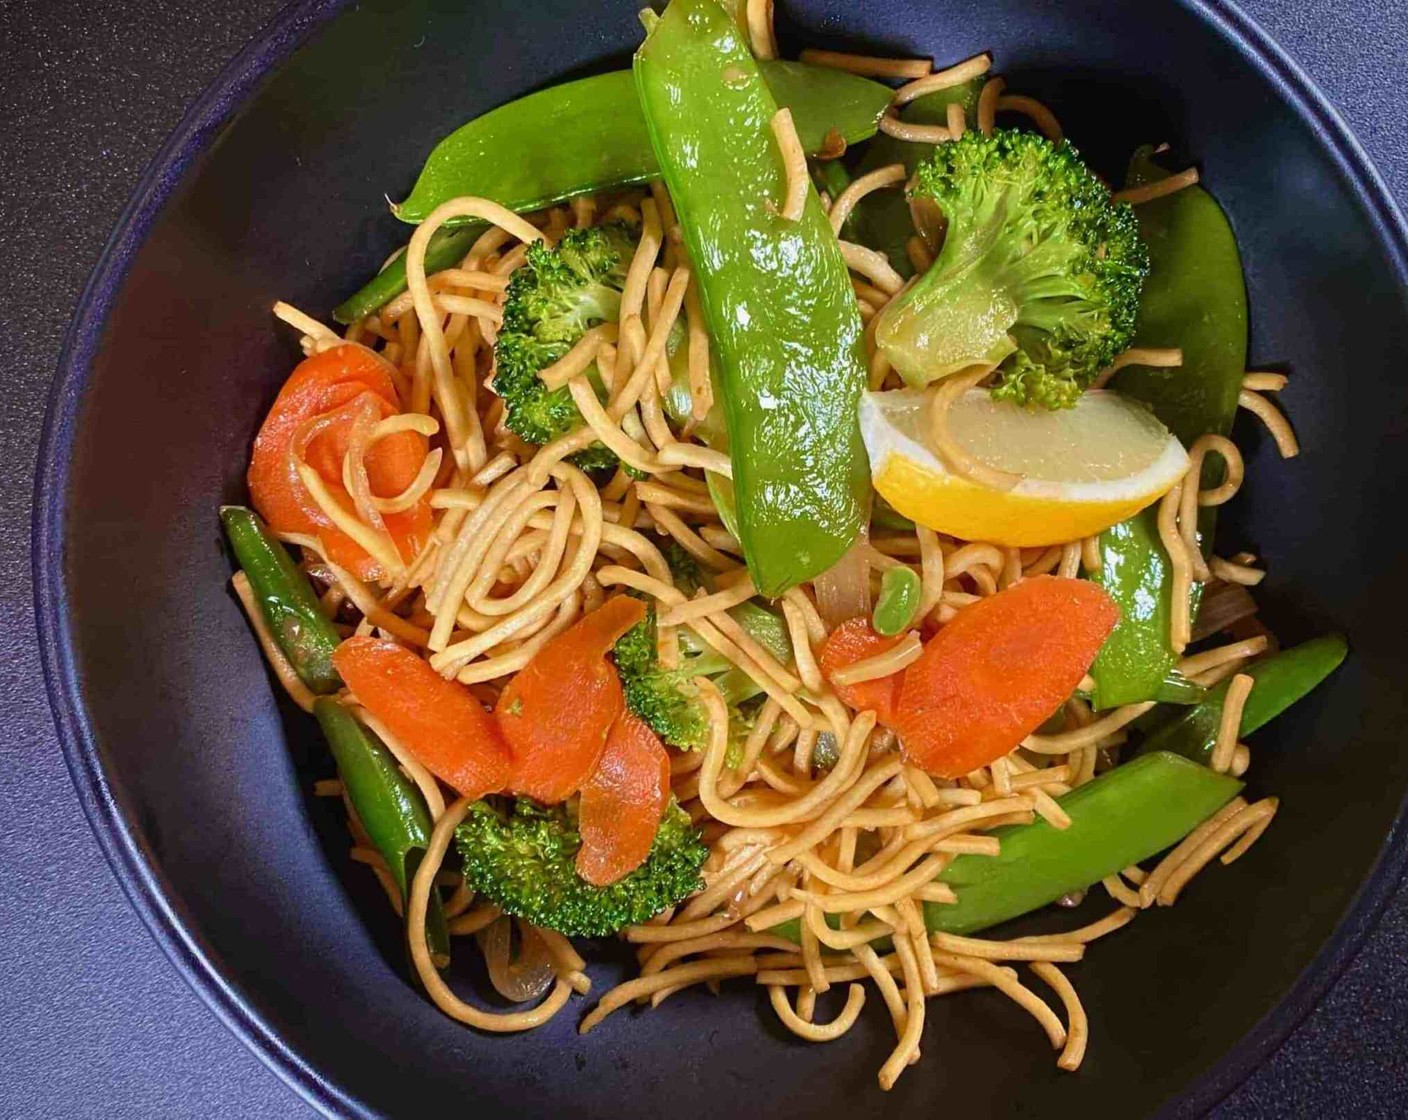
(853,641)
(318,407)
(998,670)
(438,721)
(557,710)
(622,803)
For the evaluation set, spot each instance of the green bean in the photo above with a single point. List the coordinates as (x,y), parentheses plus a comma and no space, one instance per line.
(446,249)
(385,800)
(286,599)
(387,803)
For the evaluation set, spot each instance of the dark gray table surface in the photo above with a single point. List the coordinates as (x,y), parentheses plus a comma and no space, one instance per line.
(94,1021)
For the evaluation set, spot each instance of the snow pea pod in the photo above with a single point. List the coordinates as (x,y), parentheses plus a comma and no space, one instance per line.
(587,135)
(590,135)
(1195,298)
(1136,658)
(776,294)
(1281,680)
(1126,815)
(831,177)
(898,601)
(1175,688)
(1118,819)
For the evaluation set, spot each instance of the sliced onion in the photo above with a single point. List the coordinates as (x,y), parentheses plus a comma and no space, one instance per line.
(843,590)
(928,221)
(1223,604)
(354,467)
(319,572)
(519,980)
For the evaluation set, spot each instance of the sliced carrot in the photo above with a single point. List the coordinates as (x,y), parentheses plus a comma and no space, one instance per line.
(438,721)
(622,803)
(998,670)
(335,386)
(556,712)
(853,641)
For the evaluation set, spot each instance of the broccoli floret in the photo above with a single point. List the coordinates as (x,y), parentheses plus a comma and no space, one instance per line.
(668,699)
(522,857)
(684,568)
(558,294)
(1038,271)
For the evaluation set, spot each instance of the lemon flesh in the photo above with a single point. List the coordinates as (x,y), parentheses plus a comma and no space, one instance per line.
(1083,469)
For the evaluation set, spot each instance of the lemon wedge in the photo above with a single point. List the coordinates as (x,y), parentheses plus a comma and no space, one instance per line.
(1082,469)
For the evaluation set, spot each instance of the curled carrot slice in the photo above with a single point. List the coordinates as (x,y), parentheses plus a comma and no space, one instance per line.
(314,416)
(556,712)
(998,670)
(854,640)
(622,803)
(438,721)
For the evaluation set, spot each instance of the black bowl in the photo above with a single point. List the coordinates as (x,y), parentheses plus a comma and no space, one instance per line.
(197,780)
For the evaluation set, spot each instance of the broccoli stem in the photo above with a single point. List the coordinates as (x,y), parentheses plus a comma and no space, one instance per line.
(957,316)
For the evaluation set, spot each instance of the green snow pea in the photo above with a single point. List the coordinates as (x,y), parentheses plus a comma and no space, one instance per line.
(590,135)
(1195,298)
(446,249)
(1281,680)
(1175,688)
(831,176)
(776,294)
(1120,818)
(1136,659)
(884,516)
(587,135)
(1125,815)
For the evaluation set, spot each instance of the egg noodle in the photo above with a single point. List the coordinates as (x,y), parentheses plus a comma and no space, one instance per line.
(820,817)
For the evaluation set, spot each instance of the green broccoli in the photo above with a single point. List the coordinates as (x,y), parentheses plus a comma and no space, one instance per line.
(558,294)
(522,857)
(1039,271)
(668,699)
(684,568)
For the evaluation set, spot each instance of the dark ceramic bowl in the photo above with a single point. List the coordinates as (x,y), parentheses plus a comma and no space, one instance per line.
(197,779)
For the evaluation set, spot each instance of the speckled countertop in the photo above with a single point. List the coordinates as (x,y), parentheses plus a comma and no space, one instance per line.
(93,1018)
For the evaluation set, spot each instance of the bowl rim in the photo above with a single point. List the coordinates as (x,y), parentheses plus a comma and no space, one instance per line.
(125,851)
